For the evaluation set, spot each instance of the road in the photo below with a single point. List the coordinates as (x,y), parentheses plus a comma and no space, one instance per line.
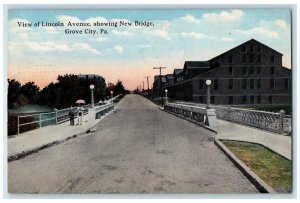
(137,149)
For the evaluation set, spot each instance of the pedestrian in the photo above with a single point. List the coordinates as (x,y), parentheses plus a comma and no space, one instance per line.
(80,110)
(71,116)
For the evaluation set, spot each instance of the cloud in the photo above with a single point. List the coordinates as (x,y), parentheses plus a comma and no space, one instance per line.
(50,30)
(118,49)
(47,46)
(66,19)
(190,19)
(122,33)
(196,35)
(160,33)
(87,47)
(259,31)
(145,46)
(228,39)
(281,24)
(99,39)
(223,16)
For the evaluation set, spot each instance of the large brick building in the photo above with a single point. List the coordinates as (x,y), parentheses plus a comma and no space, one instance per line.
(251,73)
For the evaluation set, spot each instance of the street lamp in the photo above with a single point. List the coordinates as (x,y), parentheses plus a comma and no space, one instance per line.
(111,94)
(166,91)
(208,83)
(92,95)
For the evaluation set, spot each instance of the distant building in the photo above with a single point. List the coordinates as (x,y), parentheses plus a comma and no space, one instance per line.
(251,73)
(91,77)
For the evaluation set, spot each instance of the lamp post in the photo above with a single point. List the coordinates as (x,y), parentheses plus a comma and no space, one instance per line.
(208,83)
(166,91)
(111,94)
(92,95)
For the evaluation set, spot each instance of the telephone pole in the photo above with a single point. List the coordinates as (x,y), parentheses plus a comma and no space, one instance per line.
(160,85)
(147,81)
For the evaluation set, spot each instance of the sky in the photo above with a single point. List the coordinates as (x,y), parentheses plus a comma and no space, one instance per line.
(129,53)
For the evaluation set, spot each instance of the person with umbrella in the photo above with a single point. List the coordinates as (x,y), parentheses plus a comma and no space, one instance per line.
(72,116)
(80,110)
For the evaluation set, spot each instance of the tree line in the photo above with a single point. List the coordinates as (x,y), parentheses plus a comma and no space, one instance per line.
(61,94)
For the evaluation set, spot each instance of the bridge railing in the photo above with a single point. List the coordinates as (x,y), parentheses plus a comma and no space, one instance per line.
(194,112)
(274,122)
(38,120)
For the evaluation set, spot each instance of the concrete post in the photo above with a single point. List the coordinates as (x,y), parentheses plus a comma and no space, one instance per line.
(55,110)
(18,125)
(91,114)
(281,121)
(40,121)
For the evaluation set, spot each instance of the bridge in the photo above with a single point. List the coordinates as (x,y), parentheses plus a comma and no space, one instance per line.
(135,148)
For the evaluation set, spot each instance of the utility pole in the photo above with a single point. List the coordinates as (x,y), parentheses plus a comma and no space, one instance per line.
(160,85)
(143,85)
(147,81)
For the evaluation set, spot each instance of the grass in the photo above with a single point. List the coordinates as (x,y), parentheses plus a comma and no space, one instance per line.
(270,167)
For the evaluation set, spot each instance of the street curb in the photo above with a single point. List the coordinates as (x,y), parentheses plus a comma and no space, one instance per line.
(190,120)
(254,179)
(34,150)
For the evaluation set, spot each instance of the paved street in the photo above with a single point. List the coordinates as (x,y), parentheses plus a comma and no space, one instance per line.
(136,149)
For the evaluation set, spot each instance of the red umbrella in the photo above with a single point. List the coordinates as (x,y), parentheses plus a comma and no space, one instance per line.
(80,101)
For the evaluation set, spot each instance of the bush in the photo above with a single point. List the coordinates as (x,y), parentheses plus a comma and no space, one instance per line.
(12,124)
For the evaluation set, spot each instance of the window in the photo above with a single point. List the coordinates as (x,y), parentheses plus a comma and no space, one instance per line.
(258,48)
(229,59)
(244,99)
(230,85)
(212,99)
(272,70)
(270,99)
(251,70)
(230,71)
(251,48)
(244,60)
(201,99)
(244,49)
(251,83)
(258,99)
(252,99)
(272,84)
(244,84)
(200,84)
(258,58)
(272,59)
(258,70)
(216,84)
(230,100)
(245,70)
(251,58)
(286,83)
(258,83)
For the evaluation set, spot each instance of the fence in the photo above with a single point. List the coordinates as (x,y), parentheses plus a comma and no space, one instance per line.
(58,116)
(274,122)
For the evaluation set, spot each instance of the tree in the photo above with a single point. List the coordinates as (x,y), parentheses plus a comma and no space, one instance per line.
(14,88)
(31,91)
(119,88)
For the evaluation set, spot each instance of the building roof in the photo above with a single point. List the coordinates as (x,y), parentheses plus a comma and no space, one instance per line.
(163,79)
(196,64)
(177,71)
(89,76)
(170,76)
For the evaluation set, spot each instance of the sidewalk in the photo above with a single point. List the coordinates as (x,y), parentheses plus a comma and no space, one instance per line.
(37,139)
(281,144)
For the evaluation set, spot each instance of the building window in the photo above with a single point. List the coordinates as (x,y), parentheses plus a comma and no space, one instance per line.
(229,59)
(230,100)
(212,99)
(252,99)
(244,99)
(251,58)
(245,70)
(258,48)
(244,84)
(200,84)
(272,59)
(230,71)
(244,49)
(251,70)
(258,58)
(286,83)
(272,70)
(201,99)
(258,83)
(258,70)
(251,48)
(251,83)
(230,85)
(272,83)
(244,59)
(270,99)
(258,99)
(216,84)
